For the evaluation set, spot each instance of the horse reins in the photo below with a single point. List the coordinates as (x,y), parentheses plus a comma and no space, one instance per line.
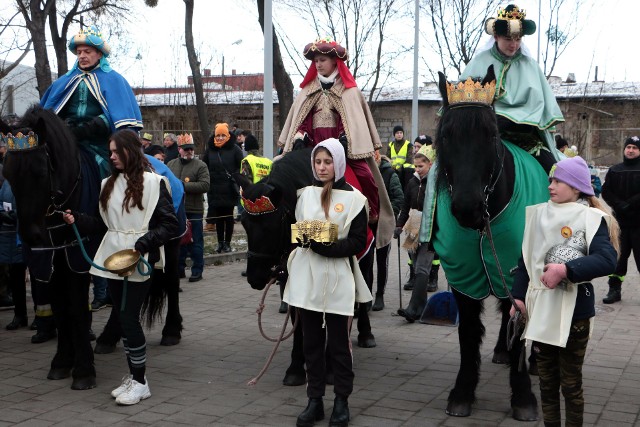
(53,207)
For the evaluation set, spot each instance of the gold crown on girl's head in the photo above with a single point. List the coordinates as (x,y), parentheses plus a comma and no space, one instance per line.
(471,92)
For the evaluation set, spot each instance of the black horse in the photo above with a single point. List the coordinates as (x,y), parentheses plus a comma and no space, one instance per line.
(482,180)
(269,213)
(48,174)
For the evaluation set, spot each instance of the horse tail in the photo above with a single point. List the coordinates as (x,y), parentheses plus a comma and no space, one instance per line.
(153,305)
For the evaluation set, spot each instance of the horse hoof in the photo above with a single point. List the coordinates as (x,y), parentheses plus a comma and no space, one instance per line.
(403,313)
(525,413)
(293,379)
(102,348)
(169,340)
(458,409)
(500,357)
(83,383)
(366,341)
(59,373)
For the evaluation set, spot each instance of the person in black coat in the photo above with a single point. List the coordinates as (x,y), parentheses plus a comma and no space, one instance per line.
(223,158)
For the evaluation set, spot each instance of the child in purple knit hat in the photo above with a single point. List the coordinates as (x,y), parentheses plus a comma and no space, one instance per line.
(568,241)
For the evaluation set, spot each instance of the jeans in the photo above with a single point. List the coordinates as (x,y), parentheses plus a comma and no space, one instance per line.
(99,288)
(194,250)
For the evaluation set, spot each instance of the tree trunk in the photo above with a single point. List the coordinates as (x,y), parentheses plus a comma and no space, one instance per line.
(35,18)
(284,86)
(201,107)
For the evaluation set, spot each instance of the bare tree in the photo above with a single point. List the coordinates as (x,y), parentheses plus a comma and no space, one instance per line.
(560,33)
(457,27)
(194,63)
(10,44)
(362,27)
(282,80)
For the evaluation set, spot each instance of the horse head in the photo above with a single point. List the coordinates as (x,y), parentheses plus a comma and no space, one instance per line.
(470,154)
(39,164)
(269,212)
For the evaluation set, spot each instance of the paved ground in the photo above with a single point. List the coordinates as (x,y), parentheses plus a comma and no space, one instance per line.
(402,382)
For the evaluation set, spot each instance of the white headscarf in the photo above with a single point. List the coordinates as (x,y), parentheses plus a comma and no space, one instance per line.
(337,153)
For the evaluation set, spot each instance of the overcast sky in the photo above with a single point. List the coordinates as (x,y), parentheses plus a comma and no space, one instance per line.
(608,40)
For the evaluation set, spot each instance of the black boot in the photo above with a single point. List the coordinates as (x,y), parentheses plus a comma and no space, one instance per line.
(418,299)
(17,322)
(226,248)
(340,414)
(433,278)
(379,303)
(615,293)
(312,413)
(412,276)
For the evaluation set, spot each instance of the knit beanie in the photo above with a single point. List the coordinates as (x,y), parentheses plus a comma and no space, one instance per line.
(251,143)
(424,140)
(574,172)
(632,140)
(397,129)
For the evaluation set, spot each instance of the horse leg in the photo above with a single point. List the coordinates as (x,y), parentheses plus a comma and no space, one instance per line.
(500,352)
(296,374)
(106,342)
(523,402)
(173,324)
(470,334)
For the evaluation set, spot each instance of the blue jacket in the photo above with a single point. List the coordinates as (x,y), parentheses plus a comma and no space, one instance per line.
(10,247)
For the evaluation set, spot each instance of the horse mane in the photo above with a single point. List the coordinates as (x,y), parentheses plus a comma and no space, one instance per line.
(51,130)
(464,131)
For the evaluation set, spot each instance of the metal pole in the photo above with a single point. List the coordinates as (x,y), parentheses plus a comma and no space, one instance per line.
(268,82)
(539,27)
(414,102)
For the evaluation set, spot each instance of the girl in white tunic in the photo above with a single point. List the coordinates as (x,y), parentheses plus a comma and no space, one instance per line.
(325,281)
(137,210)
(568,241)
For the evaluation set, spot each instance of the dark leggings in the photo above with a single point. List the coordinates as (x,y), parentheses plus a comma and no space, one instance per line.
(133,340)
(382,260)
(334,339)
(224,223)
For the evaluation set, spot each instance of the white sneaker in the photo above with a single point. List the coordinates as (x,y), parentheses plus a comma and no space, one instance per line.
(126,382)
(134,393)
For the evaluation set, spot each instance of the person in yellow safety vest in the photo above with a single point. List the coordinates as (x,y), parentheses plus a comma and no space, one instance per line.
(400,150)
(254,166)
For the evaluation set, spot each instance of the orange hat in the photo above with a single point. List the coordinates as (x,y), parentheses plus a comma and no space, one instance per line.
(221,129)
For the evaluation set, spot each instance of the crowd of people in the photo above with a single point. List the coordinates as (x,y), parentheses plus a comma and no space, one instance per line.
(152,202)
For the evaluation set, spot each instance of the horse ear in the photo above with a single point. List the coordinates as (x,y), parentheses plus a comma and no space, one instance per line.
(242,180)
(442,86)
(490,76)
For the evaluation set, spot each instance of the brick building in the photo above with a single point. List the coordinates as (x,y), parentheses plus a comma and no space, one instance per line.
(599,115)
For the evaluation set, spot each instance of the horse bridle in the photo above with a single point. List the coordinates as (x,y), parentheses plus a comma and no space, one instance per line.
(54,193)
(279,267)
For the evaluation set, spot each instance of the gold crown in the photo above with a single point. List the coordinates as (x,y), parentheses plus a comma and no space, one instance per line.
(471,92)
(185,139)
(514,13)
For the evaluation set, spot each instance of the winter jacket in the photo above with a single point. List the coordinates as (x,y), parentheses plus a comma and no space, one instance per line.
(10,252)
(621,191)
(194,175)
(413,198)
(171,153)
(223,162)
(393,186)
(601,261)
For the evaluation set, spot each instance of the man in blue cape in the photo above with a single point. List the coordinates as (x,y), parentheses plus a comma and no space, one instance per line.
(92,98)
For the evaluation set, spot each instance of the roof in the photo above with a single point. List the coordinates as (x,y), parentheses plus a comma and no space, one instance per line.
(429,93)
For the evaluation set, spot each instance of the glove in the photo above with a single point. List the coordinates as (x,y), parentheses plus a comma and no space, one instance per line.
(7,218)
(304,243)
(397,232)
(302,143)
(141,247)
(343,141)
(323,249)
(92,128)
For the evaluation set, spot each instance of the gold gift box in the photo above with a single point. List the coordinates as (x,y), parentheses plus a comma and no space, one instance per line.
(320,231)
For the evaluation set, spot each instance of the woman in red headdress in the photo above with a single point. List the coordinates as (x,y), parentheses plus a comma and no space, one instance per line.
(330,105)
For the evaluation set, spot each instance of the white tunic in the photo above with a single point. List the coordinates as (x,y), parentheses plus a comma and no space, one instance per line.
(124,229)
(550,310)
(319,283)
